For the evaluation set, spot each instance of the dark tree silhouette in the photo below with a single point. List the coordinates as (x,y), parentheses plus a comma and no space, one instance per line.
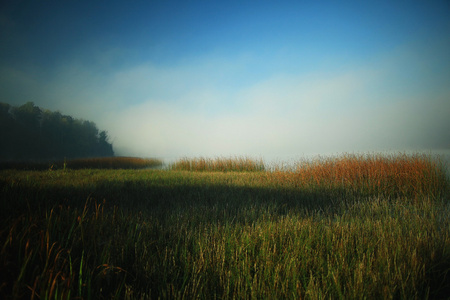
(28,132)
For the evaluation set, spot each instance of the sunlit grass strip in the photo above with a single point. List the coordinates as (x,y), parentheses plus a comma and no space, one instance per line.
(219,164)
(113,163)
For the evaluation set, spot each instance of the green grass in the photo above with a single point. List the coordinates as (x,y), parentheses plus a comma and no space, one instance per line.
(352,227)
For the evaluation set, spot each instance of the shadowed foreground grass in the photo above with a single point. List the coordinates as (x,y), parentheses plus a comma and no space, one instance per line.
(138,234)
(114,163)
(117,162)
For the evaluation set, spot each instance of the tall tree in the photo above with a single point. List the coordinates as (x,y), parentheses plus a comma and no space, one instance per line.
(28,132)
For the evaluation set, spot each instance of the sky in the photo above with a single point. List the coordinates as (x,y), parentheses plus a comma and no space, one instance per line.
(266,79)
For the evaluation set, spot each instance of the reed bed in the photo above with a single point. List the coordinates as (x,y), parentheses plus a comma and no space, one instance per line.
(395,175)
(219,164)
(149,234)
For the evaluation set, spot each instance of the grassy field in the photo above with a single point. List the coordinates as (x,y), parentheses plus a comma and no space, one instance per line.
(350,227)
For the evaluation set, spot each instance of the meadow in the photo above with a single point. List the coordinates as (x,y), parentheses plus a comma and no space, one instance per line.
(349,227)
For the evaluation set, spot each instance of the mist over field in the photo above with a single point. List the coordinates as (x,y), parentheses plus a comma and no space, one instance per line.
(277,81)
(224,149)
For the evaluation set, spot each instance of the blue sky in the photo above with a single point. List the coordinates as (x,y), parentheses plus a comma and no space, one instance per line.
(271,79)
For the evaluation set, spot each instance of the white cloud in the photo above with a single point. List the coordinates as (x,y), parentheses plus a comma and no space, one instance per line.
(283,116)
(208,107)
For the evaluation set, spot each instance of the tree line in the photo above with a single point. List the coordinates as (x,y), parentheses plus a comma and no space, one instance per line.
(28,132)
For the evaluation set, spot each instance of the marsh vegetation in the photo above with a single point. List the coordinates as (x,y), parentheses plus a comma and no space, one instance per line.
(349,227)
